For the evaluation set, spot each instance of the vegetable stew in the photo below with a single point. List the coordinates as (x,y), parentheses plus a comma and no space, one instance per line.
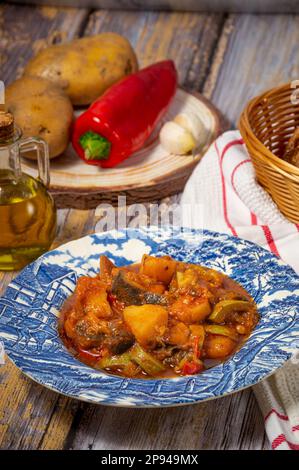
(160,318)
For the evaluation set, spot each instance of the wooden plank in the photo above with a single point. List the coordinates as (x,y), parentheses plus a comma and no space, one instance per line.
(244,6)
(187,38)
(59,424)
(255,52)
(25,30)
(221,424)
(25,411)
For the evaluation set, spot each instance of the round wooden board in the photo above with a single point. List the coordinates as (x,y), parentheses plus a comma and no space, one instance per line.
(148,175)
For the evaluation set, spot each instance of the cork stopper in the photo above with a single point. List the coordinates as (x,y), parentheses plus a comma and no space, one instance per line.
(6,126)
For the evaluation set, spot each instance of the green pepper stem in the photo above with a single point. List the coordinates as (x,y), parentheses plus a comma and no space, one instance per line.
(95,146)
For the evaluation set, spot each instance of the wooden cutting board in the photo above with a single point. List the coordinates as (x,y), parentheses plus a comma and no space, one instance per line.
(148,175)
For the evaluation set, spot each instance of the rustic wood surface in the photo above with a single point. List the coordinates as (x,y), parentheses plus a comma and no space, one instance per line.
(227,57)
(245,6)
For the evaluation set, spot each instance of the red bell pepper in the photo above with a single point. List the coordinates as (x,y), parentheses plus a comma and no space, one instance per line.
(120,121)
(89,355)
(190,368)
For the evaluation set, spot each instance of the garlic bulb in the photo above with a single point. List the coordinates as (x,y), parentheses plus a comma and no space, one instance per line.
(176,139)
(184,134)
(192,123)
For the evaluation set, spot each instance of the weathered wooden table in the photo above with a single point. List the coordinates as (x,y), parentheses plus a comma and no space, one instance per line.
(229,58)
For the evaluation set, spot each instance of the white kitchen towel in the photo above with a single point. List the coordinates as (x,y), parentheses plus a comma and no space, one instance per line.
(225,187)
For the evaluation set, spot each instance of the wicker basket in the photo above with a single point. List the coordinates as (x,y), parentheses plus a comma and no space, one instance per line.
(266,124)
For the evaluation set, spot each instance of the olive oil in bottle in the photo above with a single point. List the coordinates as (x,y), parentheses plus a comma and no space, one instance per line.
(27,211)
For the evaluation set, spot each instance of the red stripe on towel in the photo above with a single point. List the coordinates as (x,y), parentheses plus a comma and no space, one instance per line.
(229,145)
(280,439)
(281,416)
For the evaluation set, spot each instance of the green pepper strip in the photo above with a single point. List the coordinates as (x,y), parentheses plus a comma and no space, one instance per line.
(120,361)
(146,361)
(222,330)
(137,354)
(225,307)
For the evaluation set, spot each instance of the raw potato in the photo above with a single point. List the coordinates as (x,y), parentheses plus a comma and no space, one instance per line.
(85,67)
(41,109)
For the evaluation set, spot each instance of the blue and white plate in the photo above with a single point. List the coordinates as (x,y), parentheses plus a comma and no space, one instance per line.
(30,307)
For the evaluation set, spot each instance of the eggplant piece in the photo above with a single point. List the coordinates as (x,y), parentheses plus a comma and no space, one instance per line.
(130,293)
(88,334)
(121,342)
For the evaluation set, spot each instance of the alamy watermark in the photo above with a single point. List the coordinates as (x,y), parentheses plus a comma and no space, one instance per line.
(177,218)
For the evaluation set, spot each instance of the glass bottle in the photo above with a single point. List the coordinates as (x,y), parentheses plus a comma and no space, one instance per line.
(27,210)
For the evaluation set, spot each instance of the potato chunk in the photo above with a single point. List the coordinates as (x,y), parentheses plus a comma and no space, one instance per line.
(218,347)
(96,302)
(189,309)
(159,269)
(146,322)
(179,334)
(92,297)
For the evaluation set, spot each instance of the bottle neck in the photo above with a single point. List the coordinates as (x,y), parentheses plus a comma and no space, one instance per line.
(9,154)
